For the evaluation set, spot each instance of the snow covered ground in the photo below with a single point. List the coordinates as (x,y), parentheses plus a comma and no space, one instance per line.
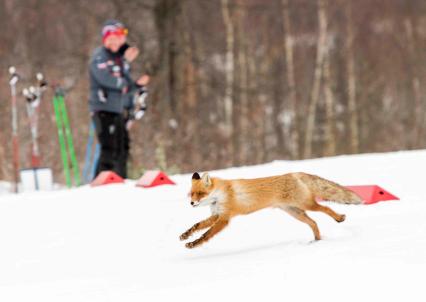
(120,242)
(5,187)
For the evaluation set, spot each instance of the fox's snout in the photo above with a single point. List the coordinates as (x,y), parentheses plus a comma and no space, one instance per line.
(195,203)
(192,201)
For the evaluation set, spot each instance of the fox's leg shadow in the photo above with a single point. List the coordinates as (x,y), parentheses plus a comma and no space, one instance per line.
(216,228)
(303,217)
(199,226)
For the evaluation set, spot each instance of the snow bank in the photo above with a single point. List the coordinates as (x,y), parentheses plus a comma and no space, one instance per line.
(120,242)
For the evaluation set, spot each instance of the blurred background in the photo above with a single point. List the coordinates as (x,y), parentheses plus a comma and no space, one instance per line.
(234,82)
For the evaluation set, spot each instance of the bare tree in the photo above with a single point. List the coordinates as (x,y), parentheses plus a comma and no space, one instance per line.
(229,64)
(291,82)
(234,82)
(418,111)
(321,48)
(242,137)
(350,67)
(330,135)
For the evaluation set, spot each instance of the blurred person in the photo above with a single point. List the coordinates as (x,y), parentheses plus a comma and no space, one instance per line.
(110,83)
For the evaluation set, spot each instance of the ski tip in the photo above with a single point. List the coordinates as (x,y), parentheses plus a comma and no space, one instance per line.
(12,70)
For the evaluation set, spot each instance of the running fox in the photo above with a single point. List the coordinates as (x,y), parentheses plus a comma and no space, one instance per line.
(294,193)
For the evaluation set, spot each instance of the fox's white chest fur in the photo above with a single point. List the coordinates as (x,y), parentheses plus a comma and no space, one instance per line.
(216,200)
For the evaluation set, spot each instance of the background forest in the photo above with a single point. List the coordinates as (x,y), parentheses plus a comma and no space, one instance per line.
(234,82)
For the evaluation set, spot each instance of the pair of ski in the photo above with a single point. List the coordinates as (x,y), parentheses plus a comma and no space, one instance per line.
(93,152)
(33,97)
(69,159)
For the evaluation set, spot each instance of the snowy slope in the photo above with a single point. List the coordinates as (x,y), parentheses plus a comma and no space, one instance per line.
(120,243)
(5,187)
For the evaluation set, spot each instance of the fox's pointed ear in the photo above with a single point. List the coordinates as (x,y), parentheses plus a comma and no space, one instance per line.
(206,179)
(196,176)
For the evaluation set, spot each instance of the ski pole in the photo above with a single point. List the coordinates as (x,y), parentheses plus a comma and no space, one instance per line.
(91,159)
(41,87)
(33,97)
(30,97)
(14,78)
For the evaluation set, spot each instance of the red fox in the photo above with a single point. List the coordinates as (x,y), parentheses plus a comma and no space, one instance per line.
(294,193)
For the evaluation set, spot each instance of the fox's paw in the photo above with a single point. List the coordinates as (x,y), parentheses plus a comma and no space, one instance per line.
(341,218)
(184,236)
(191,245)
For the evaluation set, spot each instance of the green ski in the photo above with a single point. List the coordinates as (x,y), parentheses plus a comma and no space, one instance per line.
(65,139)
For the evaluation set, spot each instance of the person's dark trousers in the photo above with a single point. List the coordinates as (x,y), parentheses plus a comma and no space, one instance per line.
(110,132)
(126,147)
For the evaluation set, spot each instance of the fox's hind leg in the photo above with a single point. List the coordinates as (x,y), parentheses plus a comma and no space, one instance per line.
(303,217)
(199,226)
(320,208)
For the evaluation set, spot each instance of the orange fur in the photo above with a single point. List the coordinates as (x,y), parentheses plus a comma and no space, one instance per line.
(294,193)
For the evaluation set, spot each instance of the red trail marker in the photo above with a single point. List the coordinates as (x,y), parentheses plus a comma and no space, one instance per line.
(372,193)
(105,178)
(154,178)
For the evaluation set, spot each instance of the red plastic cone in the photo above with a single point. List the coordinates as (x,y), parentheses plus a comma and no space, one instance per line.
(154,178)
(372,193)
(105,178)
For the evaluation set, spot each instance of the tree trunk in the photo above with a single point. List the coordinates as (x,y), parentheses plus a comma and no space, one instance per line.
(3,167)
(352,103)
(330,134)
(418,111)
(189,98)
(321,45)
(291,82)
(244,153)
(256,145)
(229,65)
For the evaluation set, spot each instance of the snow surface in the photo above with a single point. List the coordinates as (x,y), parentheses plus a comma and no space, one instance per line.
(120,242)
(5,187)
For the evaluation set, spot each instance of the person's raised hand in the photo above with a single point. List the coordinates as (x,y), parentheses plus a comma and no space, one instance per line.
(143,80)
(131,53)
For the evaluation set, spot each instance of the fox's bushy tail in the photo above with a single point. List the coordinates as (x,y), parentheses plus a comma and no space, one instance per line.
(328,190)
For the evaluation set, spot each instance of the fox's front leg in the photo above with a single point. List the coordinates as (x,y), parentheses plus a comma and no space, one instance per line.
(216,228)
(199,226)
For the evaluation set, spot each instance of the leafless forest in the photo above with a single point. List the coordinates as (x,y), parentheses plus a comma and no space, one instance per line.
(234,82)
